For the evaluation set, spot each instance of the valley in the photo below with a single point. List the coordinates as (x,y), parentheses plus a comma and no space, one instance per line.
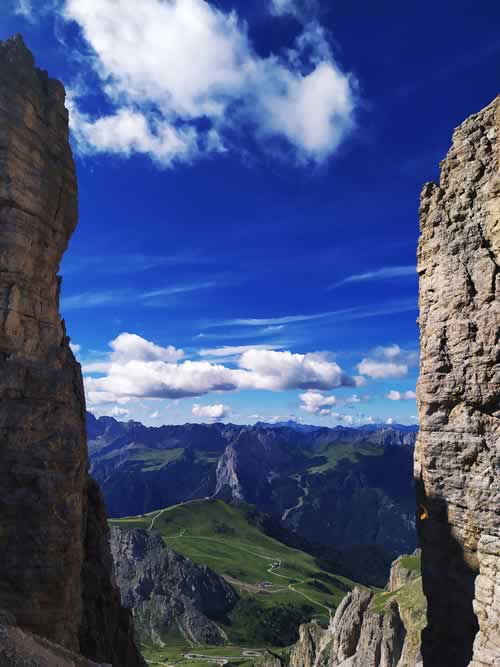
(278,587)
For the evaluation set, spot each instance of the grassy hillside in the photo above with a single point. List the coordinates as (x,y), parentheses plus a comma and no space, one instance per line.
(280,587)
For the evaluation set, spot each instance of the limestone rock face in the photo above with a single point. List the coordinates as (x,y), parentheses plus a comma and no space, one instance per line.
(457,451)
(357,637)
(169,594)
(48,529)
(369,629)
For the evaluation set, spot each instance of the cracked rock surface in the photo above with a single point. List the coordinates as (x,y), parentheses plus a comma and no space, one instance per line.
(457,451)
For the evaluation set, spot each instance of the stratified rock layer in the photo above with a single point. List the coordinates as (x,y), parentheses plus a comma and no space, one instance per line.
(456,457)
(50,535)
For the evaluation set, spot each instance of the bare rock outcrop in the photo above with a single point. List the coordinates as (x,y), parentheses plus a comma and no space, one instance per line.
(457,451)
(53,532)
(169,594)
(369,629)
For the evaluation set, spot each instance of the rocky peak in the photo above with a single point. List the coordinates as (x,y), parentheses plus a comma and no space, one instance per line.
(56,577)
(456,456)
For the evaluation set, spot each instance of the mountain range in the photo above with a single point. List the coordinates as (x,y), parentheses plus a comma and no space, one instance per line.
(335,486)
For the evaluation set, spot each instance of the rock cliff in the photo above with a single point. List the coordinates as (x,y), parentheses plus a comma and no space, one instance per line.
(456,457)
(169,594)
(56,576)
(369,629)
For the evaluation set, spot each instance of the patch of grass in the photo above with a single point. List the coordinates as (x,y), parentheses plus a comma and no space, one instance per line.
(332,454)
(412,563)
(154,459)
(280,586)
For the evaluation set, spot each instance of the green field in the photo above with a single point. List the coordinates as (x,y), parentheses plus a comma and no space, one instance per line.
(280,587)
(332,454)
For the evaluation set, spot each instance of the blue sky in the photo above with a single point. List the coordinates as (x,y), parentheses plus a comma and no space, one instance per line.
(249,176)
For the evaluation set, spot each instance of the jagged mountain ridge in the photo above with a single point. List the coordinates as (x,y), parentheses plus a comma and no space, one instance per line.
(357,480)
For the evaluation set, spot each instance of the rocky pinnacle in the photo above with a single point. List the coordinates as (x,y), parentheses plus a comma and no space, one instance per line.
(457,452)
(53,532)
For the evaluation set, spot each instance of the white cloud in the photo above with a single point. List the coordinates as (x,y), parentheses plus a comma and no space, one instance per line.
(131,347)
(154,415)
(138,368)
(297,8)
(395,395)
(276,371)
(389,420)
(118,413)
(233,350)
(167,65)
(126,295)
(384,273)
(388,362)
(75,348)
(382,369)
(213,412)
(317,403)
(24,8)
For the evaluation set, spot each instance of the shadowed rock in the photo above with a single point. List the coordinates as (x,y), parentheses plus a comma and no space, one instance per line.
(53,539)
(457,451)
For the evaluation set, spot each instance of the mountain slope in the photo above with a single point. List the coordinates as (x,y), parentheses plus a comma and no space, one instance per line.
(280,587)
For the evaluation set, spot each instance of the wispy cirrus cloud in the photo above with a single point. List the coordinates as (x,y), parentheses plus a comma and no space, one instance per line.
(384,273)
(120,296)
(354,313)
(126,263)
(25,9)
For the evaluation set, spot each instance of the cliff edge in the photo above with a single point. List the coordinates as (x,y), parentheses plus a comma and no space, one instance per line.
(56,576)
(457,451)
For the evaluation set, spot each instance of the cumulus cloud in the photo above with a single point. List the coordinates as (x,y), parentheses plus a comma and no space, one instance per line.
(382,369)
(75,348)
(388,362)
(298,8)
(165,66)
(212,412)
(317,403)
(128,347)
(119,413)
(139,368)
(154,415)
(395,395)
(276,371)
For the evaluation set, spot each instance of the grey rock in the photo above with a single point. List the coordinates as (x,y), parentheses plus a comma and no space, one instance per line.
(168,594)
(457,451)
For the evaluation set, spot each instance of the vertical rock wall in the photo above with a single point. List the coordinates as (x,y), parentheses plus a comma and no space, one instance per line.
(50,537)
(457,452)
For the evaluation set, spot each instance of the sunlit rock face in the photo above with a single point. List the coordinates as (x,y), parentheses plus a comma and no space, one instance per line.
(53,541)
(457,452)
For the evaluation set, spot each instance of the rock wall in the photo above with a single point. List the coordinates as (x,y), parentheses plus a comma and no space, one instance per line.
(50,535)
(457,452)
